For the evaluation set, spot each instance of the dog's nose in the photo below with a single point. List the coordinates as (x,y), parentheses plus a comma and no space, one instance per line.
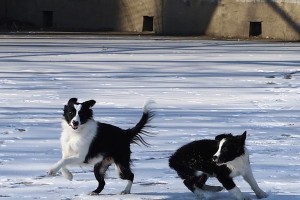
(215,158)
(75,123)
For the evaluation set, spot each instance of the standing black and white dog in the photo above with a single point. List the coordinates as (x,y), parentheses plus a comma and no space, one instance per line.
(224,158)
(84,140)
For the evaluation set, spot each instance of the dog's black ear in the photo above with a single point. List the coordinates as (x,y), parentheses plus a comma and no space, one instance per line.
(241,139)
(221,136)
(89,103)
(72,101)
(243,136)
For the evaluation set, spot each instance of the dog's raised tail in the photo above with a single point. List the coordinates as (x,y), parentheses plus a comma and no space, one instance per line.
(140,128)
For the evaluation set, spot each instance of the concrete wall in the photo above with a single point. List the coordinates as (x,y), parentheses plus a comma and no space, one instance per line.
(85,15)
(131,13)
(25,11)
(67,14)
(2,10)
(187,17)
(279,19)
(97,15)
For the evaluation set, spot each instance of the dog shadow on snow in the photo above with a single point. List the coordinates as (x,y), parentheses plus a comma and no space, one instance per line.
(186,196)
(217,196)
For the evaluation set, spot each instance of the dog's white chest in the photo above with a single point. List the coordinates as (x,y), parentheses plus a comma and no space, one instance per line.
(240,165)
(72,145)
(77,142)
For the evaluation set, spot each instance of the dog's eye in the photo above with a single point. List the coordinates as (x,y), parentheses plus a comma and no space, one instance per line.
(225,149)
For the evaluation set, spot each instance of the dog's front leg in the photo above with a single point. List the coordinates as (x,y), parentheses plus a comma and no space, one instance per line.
(249,178)
(229,184)
(66,173)
(238,194)
(64,162)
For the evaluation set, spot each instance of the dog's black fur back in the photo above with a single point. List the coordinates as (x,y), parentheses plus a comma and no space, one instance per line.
(194,156)
(112,141)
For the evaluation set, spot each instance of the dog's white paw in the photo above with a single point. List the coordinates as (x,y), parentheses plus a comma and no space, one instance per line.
(53,171)
(67,174)
(199,194)
(125,192)
(246,198)
(93,193)
(127,188)
(262,195)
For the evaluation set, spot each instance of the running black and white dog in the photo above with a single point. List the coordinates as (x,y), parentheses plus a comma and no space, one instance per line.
(224,158)
(86,141)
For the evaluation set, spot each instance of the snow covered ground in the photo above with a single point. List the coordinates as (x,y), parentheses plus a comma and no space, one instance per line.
(202,88)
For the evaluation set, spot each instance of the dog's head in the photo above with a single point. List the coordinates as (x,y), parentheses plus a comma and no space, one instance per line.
(230,147)
(77,114)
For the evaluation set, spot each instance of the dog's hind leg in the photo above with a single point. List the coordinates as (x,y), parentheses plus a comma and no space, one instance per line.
(191,185)
(199,194)
(192,179)
(125,173)
(200,183)
(99,172)
(201,180)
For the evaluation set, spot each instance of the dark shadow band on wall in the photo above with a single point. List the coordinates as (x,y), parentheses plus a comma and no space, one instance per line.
(187,17)
(284,15)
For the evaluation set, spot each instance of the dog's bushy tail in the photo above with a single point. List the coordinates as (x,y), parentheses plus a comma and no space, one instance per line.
(139,130)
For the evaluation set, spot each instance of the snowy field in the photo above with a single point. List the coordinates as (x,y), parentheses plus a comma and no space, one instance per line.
(201,88)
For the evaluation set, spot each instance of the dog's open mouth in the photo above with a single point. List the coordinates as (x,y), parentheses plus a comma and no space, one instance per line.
(218,162)
(74,127)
